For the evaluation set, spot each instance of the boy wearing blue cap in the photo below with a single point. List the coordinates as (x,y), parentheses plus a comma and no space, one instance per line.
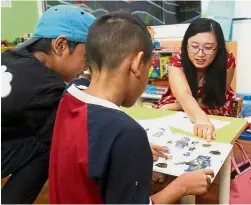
(33,78)
(99,154)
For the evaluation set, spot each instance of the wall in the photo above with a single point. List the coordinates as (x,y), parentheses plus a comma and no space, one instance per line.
(241,34)
(242,8)
(21,18)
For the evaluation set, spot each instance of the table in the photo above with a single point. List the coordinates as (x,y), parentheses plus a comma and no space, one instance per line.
(228,134)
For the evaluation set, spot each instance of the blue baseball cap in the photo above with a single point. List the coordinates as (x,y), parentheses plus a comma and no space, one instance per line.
(68,20)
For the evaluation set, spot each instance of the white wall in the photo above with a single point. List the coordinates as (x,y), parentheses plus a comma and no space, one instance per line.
(170,32)
(242,8)
(40,7)
(241,34)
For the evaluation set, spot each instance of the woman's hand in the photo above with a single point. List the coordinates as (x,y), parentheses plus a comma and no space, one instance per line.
(158,151)
(204,128)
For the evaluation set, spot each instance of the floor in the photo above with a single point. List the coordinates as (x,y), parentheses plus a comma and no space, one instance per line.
(212,197)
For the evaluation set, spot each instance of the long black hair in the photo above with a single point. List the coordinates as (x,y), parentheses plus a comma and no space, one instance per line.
(215,75)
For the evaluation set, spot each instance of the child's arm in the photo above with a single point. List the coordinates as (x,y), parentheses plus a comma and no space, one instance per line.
(130,173)
(193,183)
(40,112)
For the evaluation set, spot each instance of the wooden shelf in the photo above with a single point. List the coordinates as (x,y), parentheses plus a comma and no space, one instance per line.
(164,50)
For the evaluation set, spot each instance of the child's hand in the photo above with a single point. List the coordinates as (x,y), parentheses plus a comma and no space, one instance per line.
(196,182)
(159,177)
(158,151)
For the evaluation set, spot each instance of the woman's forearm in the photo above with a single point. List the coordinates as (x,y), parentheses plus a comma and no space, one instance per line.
(172,106)
(191,107)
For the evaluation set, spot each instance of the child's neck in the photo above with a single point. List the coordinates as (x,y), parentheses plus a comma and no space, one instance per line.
(107,87)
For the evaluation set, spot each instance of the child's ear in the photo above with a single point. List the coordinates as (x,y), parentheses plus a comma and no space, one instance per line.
(59,45)
(136,64)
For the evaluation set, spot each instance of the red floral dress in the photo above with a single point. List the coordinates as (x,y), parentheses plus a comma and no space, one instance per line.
(224,110)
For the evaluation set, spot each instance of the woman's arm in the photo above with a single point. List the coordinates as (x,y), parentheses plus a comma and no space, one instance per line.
(181,90)
(183,94)
(172,106)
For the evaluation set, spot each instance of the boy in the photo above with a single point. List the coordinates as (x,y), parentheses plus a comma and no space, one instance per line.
(33,78)
(99,154)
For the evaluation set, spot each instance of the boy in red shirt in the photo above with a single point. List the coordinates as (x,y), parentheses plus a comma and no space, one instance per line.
(99,154)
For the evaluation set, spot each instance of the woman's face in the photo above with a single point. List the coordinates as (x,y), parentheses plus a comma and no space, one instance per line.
(202,49)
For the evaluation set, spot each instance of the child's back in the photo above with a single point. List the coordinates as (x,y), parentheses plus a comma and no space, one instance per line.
(99,154)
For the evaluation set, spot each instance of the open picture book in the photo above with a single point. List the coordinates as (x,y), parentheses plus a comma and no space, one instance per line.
(185,153)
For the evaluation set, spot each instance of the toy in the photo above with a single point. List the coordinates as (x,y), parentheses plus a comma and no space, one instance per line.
(159,66)
(156,45)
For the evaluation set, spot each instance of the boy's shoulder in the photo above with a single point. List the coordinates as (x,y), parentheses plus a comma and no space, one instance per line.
(104,119)
(113,119)
(28,79)
(21,59)
(24,66)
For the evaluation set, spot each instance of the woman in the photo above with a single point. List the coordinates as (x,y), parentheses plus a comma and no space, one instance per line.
(200,77)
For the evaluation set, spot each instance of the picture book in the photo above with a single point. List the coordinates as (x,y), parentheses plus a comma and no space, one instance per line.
(185,153)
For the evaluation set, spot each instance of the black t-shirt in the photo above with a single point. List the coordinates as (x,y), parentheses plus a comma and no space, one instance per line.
(30,96)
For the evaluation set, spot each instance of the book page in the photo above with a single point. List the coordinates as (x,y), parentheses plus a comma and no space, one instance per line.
(181,121)
(185,153)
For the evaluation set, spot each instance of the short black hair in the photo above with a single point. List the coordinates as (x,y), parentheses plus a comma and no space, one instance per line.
(44,45)
(113,37)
